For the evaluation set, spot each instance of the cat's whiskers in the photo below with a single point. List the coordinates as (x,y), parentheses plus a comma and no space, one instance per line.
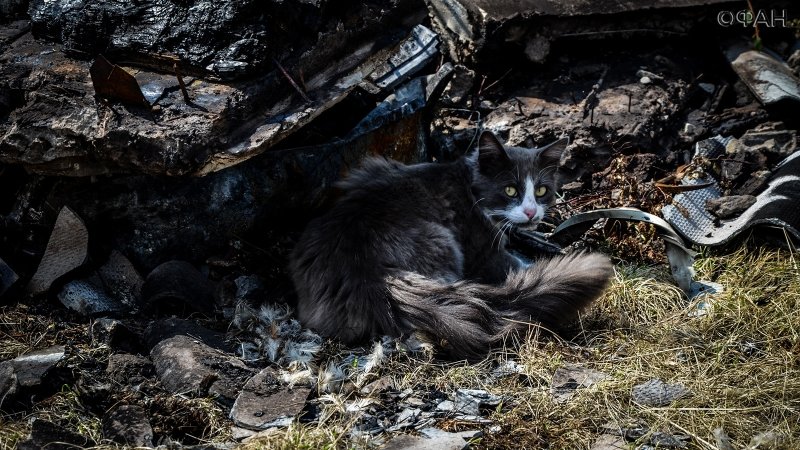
(476,202)
(498,236)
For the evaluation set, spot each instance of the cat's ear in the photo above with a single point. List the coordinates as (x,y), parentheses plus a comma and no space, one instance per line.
(492,157)
(550,155)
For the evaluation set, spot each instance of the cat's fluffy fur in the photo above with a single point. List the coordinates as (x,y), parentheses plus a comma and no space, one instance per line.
(422,248)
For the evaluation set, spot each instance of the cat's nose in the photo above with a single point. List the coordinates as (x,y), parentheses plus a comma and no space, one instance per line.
(530,212)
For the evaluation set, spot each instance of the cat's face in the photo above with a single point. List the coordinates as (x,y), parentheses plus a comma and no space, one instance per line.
(515,185)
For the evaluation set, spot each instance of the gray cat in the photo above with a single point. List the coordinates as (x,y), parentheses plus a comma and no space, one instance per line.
(422,248)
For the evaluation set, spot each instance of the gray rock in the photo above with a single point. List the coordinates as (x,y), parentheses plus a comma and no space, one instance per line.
(730,206)
(378,386)
(445,405)
(721,439)
(666,440)
(470,401)
(187,366)
(407,418)
(49,436)
(609,442)
(431,438)
(25,372)
(266,403)
(128,425)
(567,379)
(655,392)
(114,334)
(128,369)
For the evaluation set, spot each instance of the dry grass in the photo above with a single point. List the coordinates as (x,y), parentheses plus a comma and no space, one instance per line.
(741,361)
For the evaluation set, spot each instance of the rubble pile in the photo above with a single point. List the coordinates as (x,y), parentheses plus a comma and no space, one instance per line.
(158,160)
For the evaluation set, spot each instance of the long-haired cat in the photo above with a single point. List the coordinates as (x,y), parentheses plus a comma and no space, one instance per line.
(422,248)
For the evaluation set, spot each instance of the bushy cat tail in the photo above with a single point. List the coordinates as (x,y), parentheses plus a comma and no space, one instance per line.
(472,317)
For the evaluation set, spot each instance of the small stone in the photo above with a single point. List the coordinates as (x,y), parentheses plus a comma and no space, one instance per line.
(667,440)
(382,384)
(66,250)
(431,438)
(415,401)
(128,425)
(730,206)
(445,405)
(645,80)
(567,379)
(658,393)
(609,442)
(114,334)
(265,402)
(470,401)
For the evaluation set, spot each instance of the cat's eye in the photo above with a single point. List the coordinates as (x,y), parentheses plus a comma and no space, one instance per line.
(540,191)
(511,191)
